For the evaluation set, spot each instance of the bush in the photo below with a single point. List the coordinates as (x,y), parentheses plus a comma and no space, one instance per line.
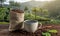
(32,16)
(43,20)
(4,14)
(55,22)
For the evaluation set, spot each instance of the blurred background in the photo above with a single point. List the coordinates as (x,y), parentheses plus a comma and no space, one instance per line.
(45,11)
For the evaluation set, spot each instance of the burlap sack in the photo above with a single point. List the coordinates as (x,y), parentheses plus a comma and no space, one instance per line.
(16,19)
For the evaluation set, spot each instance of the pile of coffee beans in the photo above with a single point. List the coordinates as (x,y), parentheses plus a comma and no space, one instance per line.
(17,10)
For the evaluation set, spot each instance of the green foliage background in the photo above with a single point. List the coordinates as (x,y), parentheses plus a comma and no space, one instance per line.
(4,17)
(4,14)
(49,14)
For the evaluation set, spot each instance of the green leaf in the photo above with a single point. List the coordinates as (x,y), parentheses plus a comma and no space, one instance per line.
(53,31)
(46,34)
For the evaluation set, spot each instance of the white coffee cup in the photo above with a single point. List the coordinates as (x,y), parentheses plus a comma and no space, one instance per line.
(30,25)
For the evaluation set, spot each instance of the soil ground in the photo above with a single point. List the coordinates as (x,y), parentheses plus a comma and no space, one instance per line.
(4,31)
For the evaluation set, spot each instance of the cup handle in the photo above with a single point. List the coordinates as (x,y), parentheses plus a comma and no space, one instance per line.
(40,26)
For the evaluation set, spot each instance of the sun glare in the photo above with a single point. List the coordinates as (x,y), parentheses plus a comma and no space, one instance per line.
(44,0)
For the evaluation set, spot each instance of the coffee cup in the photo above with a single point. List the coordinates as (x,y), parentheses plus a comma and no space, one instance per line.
(31,25)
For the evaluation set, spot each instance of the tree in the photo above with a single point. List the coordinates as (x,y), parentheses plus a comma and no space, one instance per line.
(27,11)
(26,8)
(43,12)
(2,1)
(35,9)
(14,4)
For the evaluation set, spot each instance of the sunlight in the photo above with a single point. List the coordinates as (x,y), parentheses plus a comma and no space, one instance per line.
(44,0)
